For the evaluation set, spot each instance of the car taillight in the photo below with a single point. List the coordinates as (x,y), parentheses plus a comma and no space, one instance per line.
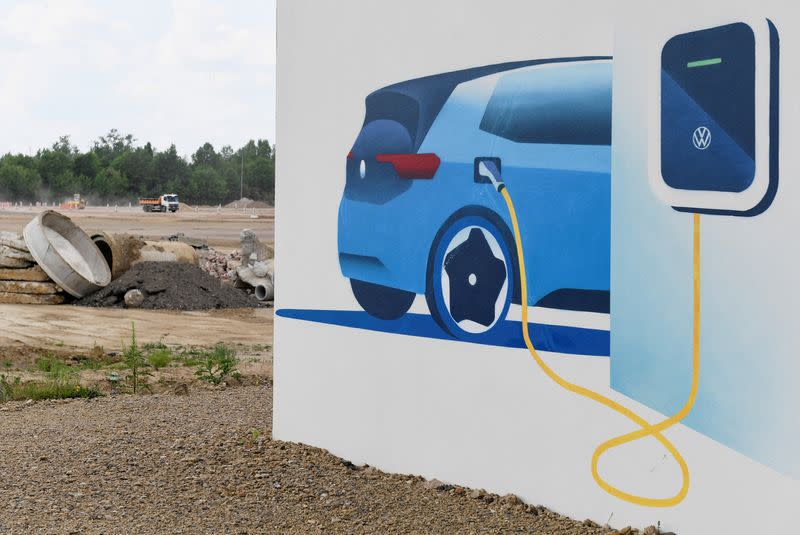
(412,165)
(350,155)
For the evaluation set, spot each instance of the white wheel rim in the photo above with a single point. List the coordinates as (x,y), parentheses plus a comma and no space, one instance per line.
(461,236)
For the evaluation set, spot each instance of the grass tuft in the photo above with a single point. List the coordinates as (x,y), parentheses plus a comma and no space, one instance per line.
(160,358)
(16,390)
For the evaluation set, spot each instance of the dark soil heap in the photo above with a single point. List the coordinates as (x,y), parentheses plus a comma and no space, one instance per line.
(170,286)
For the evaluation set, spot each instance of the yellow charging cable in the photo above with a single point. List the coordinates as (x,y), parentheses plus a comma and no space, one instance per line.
(647,429)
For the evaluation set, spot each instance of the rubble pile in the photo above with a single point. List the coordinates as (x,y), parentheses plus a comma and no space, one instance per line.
(22,281)
(257,267)
(220,265)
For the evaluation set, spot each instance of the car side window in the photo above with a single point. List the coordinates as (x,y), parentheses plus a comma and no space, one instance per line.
(568,104)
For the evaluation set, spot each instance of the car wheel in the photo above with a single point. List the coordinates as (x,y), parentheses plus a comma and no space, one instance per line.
(381,301)
(470,279)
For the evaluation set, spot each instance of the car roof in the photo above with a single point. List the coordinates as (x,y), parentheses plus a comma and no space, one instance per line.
(431,92)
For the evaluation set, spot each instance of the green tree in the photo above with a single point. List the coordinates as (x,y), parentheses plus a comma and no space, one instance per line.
(52,165)
(19,183)
(68,183)
(169,168)
(207,156)
(116,168)
(87,165)
(65,146)
(206,186)
(137,166)
(112,145)
(111,185)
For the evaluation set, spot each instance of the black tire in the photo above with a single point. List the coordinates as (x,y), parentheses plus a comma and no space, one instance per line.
(382,302)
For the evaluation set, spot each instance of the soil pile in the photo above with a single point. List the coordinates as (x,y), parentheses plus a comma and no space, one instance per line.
(170,286)
(244,202)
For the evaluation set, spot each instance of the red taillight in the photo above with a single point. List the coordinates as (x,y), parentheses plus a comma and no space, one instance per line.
(350,155)
(412,165)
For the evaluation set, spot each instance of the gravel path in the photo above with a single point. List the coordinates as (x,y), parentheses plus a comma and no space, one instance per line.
(204,463)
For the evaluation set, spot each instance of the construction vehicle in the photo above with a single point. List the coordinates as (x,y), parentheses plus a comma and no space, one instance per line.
(166,202)
(76,203)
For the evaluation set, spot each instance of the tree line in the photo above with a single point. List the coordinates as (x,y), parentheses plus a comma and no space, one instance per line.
(117,169)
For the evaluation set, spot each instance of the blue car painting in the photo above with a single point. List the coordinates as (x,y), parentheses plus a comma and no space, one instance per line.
(416,217)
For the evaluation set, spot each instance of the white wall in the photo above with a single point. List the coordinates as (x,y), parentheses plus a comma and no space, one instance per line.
(464,413)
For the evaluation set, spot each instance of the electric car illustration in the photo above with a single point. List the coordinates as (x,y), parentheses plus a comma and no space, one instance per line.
(417,217)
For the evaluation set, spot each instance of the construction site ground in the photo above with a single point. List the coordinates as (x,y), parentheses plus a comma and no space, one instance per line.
(186,456)
(219,227)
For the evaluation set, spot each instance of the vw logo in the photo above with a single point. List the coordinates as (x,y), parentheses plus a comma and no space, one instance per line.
(701,138)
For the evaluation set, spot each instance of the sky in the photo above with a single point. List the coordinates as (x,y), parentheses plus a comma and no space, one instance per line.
(165,71)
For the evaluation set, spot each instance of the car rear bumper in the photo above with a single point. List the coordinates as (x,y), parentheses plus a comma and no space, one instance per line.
(377,244)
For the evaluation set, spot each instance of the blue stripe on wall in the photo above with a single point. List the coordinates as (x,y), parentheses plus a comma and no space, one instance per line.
(555,338)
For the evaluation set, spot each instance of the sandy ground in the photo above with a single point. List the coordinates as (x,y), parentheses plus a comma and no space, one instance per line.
(220,228)
(66,327)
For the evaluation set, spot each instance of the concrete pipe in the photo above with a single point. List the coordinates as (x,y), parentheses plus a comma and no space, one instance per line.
(262,286)
(66,253)
(118,250)
(264,291)
(121,251)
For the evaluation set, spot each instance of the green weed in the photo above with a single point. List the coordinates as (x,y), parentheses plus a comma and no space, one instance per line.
(135,362)
(160,358)
(218,364)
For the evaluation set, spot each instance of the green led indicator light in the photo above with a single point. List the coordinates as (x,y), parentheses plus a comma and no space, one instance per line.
(704,62)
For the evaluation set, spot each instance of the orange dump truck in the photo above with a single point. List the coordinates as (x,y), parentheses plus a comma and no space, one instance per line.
(164,203)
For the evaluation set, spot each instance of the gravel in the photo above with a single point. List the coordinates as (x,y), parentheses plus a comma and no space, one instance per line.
(205,463)
(170,286)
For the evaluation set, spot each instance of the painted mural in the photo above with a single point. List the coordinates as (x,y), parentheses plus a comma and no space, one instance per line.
(488,188)
(418,218)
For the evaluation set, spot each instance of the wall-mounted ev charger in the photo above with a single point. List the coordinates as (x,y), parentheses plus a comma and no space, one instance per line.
(716,140)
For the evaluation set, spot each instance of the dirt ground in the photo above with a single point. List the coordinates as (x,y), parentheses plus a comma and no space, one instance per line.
(205,463)
(68,328)
(186,456)
(220,228)
(195,458)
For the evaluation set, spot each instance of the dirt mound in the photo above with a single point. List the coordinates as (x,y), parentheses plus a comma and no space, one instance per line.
(170,286)
(244,202)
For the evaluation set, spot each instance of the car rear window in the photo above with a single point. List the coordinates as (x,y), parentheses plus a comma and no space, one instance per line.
(394,107)
(564,104)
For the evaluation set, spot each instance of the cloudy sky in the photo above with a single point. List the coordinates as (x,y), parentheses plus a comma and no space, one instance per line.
(166,71)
